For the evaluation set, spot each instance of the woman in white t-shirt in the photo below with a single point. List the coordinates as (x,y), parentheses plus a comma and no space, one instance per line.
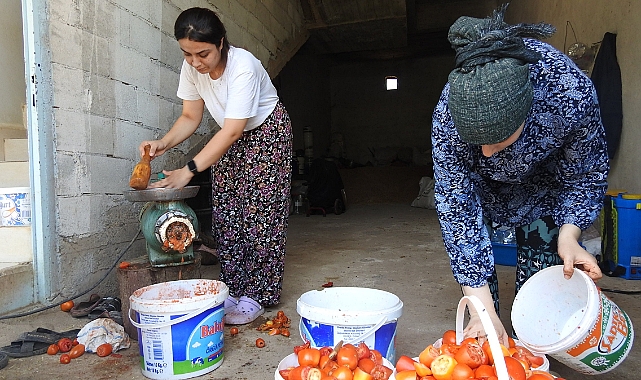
(250,160)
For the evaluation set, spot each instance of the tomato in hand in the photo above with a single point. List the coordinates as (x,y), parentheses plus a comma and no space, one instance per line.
(65,344)
(442,367)
(404,363)
(309,356)
(471,354)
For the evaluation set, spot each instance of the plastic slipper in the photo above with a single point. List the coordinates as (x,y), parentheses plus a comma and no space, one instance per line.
(47,336)
(4,360)
(230,304)
(82,309)
(107,304)
(115,315)
(245,312)
(24,348)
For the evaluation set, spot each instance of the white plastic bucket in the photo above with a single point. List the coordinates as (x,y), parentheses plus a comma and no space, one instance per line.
(352,315)
(572,321)
(180,327)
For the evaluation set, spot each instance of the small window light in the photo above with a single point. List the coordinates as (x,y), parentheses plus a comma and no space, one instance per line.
(391,82)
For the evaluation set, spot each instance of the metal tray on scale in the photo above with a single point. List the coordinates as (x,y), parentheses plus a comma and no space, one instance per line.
(161,194)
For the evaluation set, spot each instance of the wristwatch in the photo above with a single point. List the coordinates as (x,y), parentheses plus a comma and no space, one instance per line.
(191,165)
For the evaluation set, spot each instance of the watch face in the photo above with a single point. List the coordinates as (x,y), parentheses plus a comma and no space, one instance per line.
(192,166)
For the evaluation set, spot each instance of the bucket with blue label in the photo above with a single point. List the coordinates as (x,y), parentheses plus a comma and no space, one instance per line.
(180,327)
(351,315)
(15,206)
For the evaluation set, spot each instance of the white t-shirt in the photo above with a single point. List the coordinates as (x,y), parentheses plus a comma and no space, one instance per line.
(244,91)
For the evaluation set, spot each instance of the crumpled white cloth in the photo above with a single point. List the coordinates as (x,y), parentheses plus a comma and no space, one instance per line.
(103,330)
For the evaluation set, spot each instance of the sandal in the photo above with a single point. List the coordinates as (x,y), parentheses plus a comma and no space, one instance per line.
(230,304)
(107,304)
(24,348)
(116,316)
(47,336)
(82,309)
(246,311)
(4,360)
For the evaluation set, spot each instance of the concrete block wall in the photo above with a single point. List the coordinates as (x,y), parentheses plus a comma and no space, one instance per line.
(115,68)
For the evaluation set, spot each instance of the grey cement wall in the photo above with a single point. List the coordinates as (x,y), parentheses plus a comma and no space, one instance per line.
(12,96)
(591,19)
(114,74)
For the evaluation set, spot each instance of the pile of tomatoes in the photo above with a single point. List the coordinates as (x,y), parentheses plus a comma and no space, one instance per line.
(469,360)
(343,362)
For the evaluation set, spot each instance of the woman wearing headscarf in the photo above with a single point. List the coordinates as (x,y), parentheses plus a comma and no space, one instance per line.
(517,140)
(249,159)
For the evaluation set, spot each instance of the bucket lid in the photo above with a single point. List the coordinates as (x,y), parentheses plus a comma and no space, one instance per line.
(349,306)
(178,296)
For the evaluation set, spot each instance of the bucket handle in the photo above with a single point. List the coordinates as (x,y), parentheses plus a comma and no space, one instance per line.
(495,346)
(173,321)
(369,332)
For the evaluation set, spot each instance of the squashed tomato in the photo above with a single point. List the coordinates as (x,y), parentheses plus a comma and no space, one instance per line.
(304,372)
(362,350)
(421,369)
(359,374)
(471,354)
(428,355)
(539,376)
(449,349)
(442,367)
(380,372)
(376,356)
(65,344)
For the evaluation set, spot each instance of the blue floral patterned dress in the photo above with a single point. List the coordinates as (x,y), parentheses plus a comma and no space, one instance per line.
(555,173)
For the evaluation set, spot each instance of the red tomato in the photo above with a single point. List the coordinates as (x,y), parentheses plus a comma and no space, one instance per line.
(359,374)
(380,372)
(514,368)
(404,363)
(428,355)
(307,344)
(77,351)
(104,349)
(343,373)
(347,356)
(511,342)
(449,349)
(362,350)
(462,372)
(449,337)
(405,375)
(65,344)
(366,364)
(233,330)
(539,376)
(66,306)
(309,357)
(260,342)
(65,359)
(488,351)
(471,354)
(303,372)
(376,356)
(484,371)
(442,367)
(325,350)
(53,349)
(326,377)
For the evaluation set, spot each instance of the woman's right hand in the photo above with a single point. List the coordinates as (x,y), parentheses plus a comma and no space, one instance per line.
(158,147)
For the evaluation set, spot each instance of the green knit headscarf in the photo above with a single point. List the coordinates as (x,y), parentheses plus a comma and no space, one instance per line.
(490,89)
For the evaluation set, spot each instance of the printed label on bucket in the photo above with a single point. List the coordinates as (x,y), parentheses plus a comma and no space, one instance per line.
(15,209)
(321,335)
(607,343)
(186,349)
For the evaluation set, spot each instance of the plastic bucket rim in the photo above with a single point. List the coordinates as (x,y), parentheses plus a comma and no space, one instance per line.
(592,308)
(172,305)
(347,317)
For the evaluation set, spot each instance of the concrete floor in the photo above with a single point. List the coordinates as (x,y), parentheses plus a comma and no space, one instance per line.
(392,247)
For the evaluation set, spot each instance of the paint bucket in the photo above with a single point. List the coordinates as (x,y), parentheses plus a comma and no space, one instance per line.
(572,321)
(15,206)
(352,315)
(180,327)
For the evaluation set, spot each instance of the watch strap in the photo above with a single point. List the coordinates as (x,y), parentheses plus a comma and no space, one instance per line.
(191,165)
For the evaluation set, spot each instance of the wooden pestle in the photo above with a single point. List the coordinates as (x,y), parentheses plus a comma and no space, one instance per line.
(142,171)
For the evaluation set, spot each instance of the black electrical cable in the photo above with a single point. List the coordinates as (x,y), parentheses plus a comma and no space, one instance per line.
(81,294)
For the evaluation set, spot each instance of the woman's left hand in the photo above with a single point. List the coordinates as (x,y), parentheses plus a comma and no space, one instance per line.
(574,256)
(174,179)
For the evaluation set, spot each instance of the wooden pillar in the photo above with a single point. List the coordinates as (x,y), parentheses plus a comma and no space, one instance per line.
(140,273)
